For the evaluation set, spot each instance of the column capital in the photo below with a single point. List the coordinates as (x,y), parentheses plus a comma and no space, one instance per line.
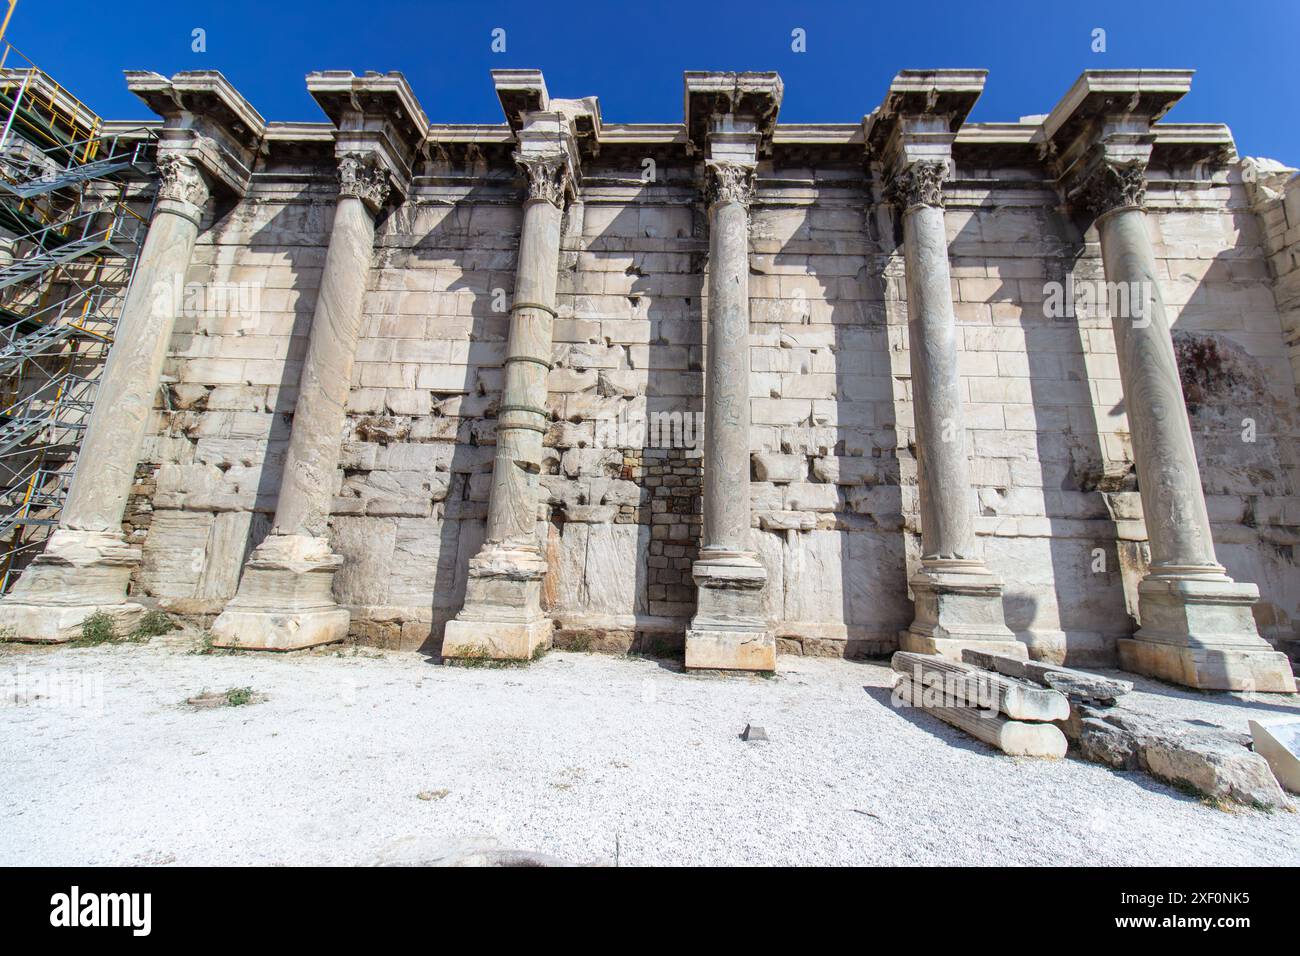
(548,177)
(918,184)
(1098,140)
(364,176)
(730,181)
(552,135)
(206,122)
(182,182)
(378,125)
(910,135)
(548,152)
(1109,184)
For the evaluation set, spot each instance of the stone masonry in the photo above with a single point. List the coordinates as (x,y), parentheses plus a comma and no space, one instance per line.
(727,387)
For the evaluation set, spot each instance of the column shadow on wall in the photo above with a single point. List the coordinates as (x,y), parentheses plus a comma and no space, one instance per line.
(286,397)
(465,408)
(674,393)
(663,433)
(302,259)
(397,553)
(1060,623)
(852,586)
(1232,395)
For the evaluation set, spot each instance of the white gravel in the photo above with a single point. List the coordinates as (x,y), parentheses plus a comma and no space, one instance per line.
(577,756)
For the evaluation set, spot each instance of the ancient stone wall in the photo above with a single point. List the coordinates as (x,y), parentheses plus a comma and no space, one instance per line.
(833,486)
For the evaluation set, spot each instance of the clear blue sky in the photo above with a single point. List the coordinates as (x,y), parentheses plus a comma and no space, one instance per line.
(631,53)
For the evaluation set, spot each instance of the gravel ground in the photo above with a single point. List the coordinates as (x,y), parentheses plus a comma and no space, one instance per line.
(358,757)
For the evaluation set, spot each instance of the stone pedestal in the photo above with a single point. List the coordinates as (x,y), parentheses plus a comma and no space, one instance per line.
(958,606)
(86,563)
(1202,634)
(729,630)
(1196,623)
(284,600)
(502,617)
(79,573)
(958,600)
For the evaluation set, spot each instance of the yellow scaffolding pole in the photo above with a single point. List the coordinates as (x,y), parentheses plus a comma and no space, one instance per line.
(8,13)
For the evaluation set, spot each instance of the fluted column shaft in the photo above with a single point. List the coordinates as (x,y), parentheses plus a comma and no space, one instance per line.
(1169,480)
(946,529)
(315,441)
(115,435)
(730,628)
(726,429)
(1197,625)
(502,616)
(521,417)
(958,600)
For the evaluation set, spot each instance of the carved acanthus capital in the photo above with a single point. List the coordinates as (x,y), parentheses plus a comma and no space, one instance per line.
(730,182)
(1111,185)
(548,177)
(362,176)
(181,181)
(918,184)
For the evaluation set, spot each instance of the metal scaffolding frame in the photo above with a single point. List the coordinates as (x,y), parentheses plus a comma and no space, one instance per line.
(69,241)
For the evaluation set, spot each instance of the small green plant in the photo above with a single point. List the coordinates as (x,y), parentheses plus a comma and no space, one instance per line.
(580,644)
(231,697)
(476,655)
(153,624)
(206,645)
(479,655)
(97,629)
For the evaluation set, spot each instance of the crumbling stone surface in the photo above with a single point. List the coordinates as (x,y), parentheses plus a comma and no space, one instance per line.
(1077,685)
(1213,761)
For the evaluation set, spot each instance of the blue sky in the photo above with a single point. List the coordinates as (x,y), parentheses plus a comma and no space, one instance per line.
(631,54)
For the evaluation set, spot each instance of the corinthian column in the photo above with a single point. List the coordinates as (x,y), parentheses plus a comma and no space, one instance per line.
(284,600)
(958,600)
(729,629)
(502,617)
(1196,622)
(86,563)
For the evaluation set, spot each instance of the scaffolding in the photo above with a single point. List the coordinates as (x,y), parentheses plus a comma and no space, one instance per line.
(69,241)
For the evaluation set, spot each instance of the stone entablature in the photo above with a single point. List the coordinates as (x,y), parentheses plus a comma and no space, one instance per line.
(835,505)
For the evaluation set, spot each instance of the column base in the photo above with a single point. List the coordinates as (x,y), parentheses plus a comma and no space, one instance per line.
(496,640)
(284,601)
(80,573)
(730,629)
(959,607)
(1201,633)
(58,624)
(730,650)
(502,618)
(266,630)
